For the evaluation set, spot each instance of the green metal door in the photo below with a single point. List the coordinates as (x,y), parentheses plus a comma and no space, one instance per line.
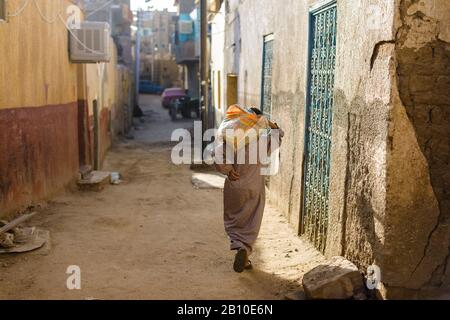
(314,220)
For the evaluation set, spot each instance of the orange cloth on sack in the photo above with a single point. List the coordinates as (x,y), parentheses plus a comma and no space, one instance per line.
(241,120)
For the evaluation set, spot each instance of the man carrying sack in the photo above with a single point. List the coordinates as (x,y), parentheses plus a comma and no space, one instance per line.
(244,192)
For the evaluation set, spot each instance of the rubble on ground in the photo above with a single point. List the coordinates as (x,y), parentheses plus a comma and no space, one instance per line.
(6,240)
(15,239)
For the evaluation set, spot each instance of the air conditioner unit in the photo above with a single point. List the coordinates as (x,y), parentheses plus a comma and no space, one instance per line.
(90,43)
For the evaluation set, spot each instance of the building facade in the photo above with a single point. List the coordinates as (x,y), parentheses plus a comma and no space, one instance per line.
(50,107)
(187,51)
(361,89)
(117,13)
(158,29)
(157,55)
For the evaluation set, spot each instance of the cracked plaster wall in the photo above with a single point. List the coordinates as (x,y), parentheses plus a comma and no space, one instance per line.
(418,177)
(390,205)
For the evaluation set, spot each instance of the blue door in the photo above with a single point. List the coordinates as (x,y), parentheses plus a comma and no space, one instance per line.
(319,111)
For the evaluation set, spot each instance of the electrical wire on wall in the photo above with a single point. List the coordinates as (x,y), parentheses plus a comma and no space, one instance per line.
(60,17)
(20,10)
(48,20)
(99,8)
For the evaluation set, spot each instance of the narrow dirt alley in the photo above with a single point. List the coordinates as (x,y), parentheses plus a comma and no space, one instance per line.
(152,237)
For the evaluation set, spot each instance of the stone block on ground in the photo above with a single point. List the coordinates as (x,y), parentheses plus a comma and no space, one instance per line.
(338,278)
(96,181)
(208,180)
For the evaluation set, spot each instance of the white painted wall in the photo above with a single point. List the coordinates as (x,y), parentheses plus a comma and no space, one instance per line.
(218,64)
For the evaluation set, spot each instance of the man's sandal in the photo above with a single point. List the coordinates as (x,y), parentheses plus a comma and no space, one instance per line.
(240,261)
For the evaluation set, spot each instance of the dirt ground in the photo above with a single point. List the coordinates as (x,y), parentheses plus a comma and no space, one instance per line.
(152,237)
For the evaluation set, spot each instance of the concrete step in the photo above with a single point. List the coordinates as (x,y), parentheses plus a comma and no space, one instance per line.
(95,181)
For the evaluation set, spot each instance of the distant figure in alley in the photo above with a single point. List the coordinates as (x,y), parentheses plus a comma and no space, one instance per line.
(244,191)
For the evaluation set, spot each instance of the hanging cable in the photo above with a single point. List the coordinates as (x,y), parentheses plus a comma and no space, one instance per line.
(18,12)
(44,17)
(48,20)
(99,8)
(58,15)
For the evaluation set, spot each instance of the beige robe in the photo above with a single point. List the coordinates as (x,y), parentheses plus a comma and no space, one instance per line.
(244,201)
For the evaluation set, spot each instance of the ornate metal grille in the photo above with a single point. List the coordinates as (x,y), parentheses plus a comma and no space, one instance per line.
(319,123)
(266,97)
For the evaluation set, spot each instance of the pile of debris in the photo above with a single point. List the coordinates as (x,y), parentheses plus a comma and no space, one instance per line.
(15,239)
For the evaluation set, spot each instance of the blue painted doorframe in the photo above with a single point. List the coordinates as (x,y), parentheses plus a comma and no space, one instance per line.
(318,123)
